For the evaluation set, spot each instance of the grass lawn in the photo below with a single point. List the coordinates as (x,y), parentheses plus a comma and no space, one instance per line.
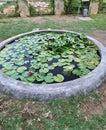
(10,27)
(65,114)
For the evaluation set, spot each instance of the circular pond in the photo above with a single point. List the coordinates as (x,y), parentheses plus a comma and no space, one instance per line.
(50,64)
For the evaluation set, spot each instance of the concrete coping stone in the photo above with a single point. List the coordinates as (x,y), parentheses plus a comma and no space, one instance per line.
(45,92)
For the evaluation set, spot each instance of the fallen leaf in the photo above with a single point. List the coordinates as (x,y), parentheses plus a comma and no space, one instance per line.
(48,115)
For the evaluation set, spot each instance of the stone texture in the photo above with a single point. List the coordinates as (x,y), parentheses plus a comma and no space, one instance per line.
(9,10)
(94,7)
(23,8)
(59,7)
(42,7)
(40,4)
(45,92)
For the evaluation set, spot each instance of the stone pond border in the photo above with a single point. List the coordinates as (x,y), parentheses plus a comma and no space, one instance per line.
(45,92)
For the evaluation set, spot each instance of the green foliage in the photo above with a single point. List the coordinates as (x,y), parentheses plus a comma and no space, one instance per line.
(76,3)
(102,6)
(70,5)
(98,23)
(52,115)
(58,78)
(67,4)
(31,58)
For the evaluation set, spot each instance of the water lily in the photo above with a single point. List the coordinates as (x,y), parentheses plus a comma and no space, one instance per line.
(30,73)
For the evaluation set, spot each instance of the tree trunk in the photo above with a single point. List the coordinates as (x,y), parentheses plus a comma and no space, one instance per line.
(23,8)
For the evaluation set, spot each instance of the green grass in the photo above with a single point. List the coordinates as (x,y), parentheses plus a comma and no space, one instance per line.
(64,114)
(13,27)
(53,115)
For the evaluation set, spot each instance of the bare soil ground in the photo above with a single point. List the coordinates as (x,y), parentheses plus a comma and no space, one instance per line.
(93,106)
(41,19)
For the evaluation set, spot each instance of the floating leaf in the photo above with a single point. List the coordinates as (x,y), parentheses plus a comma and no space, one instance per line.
(45,70)
(8,66)
(31,78)
(19,62)
(21,69)
(40,77)
(15,75)
(77,72)
(49,79)
(9,73)
(42,52)
(59,78)
(86,71)
(25,74)
(51,67)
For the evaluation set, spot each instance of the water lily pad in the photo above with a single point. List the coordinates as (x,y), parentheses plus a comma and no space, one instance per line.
(19,62)
(51,67)
(8,66)
(25,74)
(40,77)
(31,78)
(21,69)
(86,71)
(15,76)
(58,78)
(43,60)
(44,70)
(10,73)
(77,72)
(3,55)
(57,56)
(49,78)
(34,67)
(43,53)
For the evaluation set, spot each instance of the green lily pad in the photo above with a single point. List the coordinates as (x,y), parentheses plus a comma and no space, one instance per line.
(42,52)
(8,66)
(51,67)
(15,76)
(3,55)
(19,62)
(77,72)
(21,69)
(44,70)
(49,78)
(25,74)
(40,78)
(86,71)
(57,56)
(59,78)
(31,78)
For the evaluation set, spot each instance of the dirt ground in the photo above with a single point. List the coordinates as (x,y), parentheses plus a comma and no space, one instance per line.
(41,19)
(93,106)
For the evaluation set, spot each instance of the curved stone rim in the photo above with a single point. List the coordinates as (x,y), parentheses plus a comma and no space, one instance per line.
(45,92)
